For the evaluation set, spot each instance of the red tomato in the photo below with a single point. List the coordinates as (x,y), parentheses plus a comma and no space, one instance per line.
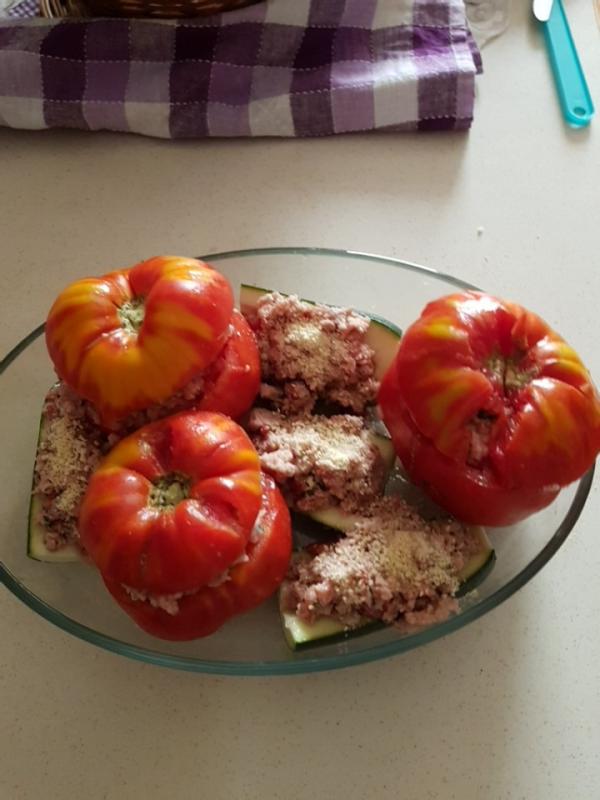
(233,380)
(172,506)
(489,409)
(134,337)
(247,584)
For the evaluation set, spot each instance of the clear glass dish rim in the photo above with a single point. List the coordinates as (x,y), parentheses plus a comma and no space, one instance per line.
(306,665)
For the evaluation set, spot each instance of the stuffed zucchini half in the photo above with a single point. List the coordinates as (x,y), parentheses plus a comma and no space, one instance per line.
(300,634)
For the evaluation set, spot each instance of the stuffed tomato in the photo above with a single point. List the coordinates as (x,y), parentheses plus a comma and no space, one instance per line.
(489,409)
(134,337)
(182,526)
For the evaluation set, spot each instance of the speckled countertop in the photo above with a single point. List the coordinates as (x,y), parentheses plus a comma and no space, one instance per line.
(507,708)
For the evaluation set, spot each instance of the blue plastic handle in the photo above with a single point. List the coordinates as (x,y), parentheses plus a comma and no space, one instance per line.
(575,99)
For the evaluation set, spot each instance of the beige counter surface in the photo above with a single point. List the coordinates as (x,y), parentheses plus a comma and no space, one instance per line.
(508,708)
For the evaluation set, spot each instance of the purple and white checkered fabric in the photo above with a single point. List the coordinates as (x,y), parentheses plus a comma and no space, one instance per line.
(24,10)
(279,68)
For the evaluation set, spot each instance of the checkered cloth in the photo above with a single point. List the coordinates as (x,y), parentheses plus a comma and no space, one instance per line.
(279,68)
(23,10)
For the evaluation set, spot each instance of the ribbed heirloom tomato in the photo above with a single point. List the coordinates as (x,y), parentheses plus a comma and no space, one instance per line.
(132,338)
(232,381)
(489,409)
(246,584)
(183,527)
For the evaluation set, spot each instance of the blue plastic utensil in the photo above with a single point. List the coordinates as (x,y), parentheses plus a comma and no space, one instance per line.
(575,99)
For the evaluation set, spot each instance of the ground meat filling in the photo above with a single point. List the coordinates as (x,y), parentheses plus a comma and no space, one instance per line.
(312,353)
(480,430)
(182,400)
(71,447)
(391,566)
(169,603)
(318,461)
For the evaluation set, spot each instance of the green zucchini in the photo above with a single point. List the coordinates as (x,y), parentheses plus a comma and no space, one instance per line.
(479,566)
(386,448)
(333,518)
(382,335)
(36,533)
(299,634)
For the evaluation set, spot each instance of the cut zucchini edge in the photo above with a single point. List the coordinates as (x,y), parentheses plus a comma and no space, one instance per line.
(249,297)
(36,533)
(299,634)
(386,449)
(382,335)
(479,559)
(334,518)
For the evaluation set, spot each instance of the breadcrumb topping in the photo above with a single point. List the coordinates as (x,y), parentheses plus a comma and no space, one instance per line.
(71,446)
(311,352)
(392,566)
(319,461)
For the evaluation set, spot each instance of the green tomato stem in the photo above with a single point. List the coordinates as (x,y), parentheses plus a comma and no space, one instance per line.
(168,491)
(131,314)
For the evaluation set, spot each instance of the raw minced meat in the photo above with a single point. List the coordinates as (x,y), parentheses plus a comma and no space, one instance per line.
(391,566)
(318,461)
(480,431)
(169,603)
(71,447)
(182,400)
(312,352)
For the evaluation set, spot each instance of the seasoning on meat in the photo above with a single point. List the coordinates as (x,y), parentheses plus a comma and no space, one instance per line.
(312,352)
(70,448)
(319,461)
(391,566)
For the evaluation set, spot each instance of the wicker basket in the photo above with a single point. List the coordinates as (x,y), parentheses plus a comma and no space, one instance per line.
(163,9)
